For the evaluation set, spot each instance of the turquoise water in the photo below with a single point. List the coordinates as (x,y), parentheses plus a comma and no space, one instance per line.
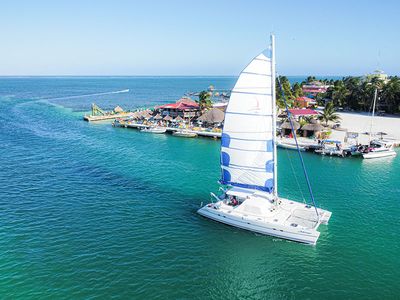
(92,211)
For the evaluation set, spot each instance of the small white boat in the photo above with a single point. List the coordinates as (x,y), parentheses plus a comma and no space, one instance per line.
(250,199)
(332,148)
(155,129)
(185,133)
(379,149)
(289,146)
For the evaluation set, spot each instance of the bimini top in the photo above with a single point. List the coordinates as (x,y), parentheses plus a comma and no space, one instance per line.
(247,150)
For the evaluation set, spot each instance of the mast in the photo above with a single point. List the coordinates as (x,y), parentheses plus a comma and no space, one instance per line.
(275,190)
(373,114)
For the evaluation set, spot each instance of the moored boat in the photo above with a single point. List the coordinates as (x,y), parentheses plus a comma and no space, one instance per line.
(154,129)
(378,149)
(184,133)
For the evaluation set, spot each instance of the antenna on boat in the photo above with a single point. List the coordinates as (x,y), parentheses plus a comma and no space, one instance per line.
(297,146)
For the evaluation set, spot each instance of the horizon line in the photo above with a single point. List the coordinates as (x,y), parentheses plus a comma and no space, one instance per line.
(207,76)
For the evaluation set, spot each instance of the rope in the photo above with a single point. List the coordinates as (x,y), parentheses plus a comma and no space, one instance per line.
(297,146)
(295,176)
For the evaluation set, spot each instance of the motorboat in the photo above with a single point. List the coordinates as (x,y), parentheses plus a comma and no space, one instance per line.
(154,129)
(289,146)
(184,133)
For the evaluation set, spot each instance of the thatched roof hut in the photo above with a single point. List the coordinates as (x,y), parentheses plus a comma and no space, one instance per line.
(286,125)
(213,115)
(157,117)
(313,127)
(135,115)
(178,119)
(145,114)
(118,109)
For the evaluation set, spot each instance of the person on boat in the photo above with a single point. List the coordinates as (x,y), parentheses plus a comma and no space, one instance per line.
(234,201)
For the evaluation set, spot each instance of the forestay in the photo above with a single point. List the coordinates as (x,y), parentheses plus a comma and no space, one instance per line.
(247,143)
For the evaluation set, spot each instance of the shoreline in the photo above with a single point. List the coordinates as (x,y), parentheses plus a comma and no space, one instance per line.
(360,122)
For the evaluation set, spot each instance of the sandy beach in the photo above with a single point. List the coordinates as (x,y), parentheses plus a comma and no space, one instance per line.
(361,122)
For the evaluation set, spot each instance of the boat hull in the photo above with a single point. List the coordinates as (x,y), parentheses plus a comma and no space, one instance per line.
(306,236)
(290,146)
(155,130)
(379,154)
(184,134)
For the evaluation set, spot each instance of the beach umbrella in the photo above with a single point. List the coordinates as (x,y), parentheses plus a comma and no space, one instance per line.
(213,115)
(286,125)
(167,118)
(157,117)
(145,115)
(178,119)
(313,127)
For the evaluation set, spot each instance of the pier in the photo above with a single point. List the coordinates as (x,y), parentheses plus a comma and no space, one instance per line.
(204,133)
(100,115)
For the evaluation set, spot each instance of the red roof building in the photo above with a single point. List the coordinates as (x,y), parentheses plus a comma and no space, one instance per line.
(297,112)
(304,102)
(184,107)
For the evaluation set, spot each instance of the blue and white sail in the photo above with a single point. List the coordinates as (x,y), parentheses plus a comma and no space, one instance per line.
(248,152)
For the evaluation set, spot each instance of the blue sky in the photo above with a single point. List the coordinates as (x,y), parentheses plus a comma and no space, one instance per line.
(197,37)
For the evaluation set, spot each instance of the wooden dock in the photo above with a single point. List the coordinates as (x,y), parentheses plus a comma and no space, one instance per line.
(204,133)
(92,118)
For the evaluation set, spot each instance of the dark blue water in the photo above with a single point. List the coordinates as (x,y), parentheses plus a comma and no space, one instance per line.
(92,211)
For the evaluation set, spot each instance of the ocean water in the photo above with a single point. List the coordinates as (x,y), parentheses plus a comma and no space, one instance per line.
(89,211)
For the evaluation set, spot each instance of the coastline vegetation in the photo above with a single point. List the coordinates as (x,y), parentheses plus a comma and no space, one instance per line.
(349,93)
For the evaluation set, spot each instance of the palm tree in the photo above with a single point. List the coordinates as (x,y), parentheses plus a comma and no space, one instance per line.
(339,94)
(204,100)
(391,94)
(329,114)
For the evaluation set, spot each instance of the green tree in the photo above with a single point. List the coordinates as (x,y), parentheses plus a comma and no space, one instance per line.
(329,114)
(311,79)
(285,83)
(297,91)
(391,95)
(204,100)
(339,94)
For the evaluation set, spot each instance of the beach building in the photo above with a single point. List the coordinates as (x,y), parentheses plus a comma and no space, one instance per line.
(304,102)
(212,116)
(313,88)
(379,74)
(184,107)
(220,105)
(298,113)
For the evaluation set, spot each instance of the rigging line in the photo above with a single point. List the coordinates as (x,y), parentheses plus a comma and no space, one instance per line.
(295,176)
(297,146)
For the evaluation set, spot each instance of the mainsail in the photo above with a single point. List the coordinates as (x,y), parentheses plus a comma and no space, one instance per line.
(247,142)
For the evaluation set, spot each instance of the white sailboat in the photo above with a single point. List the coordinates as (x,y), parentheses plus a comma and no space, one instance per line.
(377,148)
(249,163)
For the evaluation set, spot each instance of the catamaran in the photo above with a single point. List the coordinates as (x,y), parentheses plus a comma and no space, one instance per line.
(249,168)
(377,148)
